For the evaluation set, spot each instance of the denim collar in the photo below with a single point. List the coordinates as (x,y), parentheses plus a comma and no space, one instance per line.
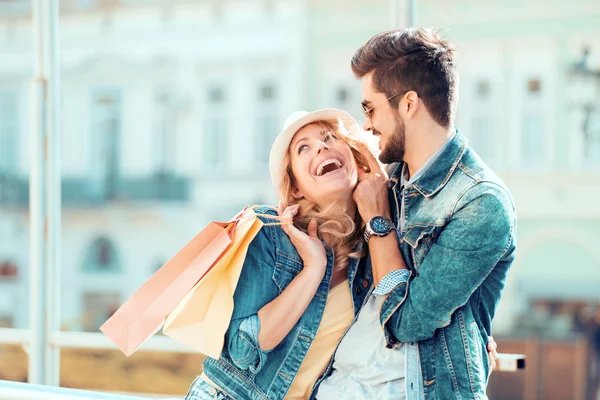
(438,173)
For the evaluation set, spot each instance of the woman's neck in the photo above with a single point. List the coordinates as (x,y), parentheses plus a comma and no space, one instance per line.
(341,206)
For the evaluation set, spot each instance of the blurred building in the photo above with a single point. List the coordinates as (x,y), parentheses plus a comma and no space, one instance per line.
(169,110)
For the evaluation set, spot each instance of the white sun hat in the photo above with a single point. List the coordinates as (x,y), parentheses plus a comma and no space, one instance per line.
(293,123)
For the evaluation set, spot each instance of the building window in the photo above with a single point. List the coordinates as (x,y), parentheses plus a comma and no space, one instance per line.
(267,126)
(165,135)
(483,90)
(534,86)
(533,140)
(98,307)
(6,321)
(482,132)
(8,270)
(482,139)
(343,97)
(267,93)
(216,129)
(591,135)
(85,4)
(102,256)
(9,132)
(14,8)
(216,95)
(106,134)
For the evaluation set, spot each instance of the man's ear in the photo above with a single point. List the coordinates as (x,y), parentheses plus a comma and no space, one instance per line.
(411,104)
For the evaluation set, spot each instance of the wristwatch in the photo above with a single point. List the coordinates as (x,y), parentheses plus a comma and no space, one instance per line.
(378,226)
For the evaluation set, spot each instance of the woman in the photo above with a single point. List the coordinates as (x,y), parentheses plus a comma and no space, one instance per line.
(297,295)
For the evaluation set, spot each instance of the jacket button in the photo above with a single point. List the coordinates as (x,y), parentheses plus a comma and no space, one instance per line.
(357,290)
(212,391)
(365,283)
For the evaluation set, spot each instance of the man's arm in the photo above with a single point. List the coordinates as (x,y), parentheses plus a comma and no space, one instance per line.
(477,237)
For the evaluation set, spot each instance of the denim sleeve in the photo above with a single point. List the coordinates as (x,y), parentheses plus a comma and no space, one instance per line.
(478,235)
(252,293)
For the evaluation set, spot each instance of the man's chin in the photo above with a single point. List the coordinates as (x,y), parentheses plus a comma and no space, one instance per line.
(387,158)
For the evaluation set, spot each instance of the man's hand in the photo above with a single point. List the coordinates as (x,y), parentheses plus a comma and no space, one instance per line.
(371,193)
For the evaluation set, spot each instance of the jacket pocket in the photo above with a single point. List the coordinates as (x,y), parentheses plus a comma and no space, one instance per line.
(420,238)
(202,391)
(285,271)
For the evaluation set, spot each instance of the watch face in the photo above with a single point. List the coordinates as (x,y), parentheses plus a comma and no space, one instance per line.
(381,225)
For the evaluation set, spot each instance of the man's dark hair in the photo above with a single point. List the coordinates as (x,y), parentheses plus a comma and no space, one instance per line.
(412,59)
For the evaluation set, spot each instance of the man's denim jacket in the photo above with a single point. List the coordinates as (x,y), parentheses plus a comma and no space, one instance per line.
(244,371)
(459,242)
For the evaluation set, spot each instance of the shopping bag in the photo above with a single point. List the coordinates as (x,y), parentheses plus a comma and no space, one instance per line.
(201,319)
(144,312)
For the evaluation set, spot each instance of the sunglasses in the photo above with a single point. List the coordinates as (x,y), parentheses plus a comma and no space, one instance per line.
(369,111)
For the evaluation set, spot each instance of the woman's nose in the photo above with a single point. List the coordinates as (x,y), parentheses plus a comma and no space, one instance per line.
(322,146)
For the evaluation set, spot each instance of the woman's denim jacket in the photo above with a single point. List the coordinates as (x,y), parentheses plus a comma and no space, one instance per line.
(244,371)
(459,242)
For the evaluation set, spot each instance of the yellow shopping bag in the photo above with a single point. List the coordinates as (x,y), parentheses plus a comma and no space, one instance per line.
(202,317)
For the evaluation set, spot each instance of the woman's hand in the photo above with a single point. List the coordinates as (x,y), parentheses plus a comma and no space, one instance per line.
(309,247)
(492,353)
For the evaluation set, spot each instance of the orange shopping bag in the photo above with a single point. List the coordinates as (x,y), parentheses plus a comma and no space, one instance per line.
(201,319)
(144,312)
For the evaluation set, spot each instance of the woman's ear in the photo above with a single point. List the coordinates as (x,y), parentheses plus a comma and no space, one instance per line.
(297,193)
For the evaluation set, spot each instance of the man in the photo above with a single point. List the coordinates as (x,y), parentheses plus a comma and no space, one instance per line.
(439,278)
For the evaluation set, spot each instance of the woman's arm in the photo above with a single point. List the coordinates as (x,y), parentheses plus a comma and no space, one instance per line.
(261,319)
(279,316)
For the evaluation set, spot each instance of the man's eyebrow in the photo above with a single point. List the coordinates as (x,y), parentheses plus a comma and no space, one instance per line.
(366,103)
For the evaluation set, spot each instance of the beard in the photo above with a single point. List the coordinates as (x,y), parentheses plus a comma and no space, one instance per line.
(396,146)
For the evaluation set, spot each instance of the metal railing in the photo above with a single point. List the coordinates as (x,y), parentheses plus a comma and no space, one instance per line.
(27,391)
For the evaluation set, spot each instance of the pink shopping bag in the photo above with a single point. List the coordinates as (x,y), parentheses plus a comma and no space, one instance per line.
(144,312)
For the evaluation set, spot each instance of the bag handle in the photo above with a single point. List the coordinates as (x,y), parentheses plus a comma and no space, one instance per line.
(282,221)
(242,216)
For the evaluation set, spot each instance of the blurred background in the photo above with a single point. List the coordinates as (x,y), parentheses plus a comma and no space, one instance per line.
(168,110)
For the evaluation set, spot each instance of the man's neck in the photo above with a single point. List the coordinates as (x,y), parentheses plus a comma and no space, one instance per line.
(428,144)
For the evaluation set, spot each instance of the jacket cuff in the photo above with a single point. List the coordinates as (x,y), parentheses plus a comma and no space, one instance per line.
(390,305)
(252,357)
(390,281)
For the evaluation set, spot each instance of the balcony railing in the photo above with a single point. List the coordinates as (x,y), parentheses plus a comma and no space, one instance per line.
(14,190)
(89,340)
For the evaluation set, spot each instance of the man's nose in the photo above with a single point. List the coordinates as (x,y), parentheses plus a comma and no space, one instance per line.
(367,125)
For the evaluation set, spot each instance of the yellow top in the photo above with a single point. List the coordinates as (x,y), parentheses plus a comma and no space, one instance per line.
(337,317)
